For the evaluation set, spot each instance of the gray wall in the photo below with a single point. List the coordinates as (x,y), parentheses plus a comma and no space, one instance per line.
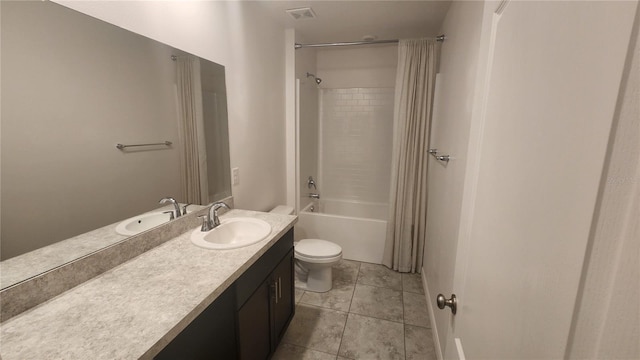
(61,172)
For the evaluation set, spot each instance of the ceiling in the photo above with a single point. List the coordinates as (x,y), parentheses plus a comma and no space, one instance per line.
(350,20)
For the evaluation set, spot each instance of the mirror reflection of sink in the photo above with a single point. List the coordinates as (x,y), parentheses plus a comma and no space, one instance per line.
(140,223)
(232,233)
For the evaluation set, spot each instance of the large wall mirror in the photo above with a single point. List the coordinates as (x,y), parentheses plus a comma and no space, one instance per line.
(73,87)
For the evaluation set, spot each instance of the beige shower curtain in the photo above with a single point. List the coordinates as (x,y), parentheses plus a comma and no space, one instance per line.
(415,80)
(194,161)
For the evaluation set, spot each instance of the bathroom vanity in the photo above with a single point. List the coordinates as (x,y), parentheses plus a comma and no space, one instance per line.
(174,301)
(248,320)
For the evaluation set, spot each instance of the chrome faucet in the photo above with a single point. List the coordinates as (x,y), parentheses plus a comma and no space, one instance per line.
(212,220)
(173,201)
(314,196)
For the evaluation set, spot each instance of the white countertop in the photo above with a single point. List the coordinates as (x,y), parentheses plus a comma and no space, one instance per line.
(132,311)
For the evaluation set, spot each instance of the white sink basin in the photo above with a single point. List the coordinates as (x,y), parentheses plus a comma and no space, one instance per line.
(140,223)
(232,233)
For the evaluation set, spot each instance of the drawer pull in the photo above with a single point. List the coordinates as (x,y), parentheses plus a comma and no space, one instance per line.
(275,283)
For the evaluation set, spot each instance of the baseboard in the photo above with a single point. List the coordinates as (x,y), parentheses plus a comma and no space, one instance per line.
(434,329)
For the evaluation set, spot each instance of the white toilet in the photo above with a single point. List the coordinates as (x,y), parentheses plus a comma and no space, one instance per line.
(314,260)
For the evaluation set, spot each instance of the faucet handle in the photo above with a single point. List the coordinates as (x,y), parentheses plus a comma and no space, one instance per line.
(311,183)
(184,209)
(170,212)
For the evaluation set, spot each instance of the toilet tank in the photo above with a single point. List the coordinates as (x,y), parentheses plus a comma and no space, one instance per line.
(282,210)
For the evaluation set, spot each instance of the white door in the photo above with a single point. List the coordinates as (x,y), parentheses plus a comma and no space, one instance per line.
(551,84)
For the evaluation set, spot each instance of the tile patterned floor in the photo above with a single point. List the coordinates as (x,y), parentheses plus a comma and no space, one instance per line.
(371,313)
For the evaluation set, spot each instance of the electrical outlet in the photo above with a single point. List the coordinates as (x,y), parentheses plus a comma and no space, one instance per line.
(235,175)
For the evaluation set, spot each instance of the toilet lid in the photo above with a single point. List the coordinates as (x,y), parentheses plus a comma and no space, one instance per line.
(316,248)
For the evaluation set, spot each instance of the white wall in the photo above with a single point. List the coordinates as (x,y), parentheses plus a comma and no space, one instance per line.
(543,249)
(251,47)
(62,174)
(450,135)
(356,121)
(358,66)
(607,316)
(356,126)
(216,126)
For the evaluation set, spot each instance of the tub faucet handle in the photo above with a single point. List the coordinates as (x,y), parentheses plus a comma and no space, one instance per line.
(311,183)
(314,196)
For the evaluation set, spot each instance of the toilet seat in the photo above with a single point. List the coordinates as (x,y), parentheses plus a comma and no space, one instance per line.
(317,251)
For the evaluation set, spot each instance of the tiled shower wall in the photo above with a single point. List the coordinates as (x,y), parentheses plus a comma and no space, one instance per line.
(356,137)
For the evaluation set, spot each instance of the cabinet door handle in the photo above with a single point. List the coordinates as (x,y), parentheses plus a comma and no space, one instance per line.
(280,287)
(276,293)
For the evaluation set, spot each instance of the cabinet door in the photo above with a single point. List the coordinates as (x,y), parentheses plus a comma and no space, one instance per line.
(209,336)
(254,325)
(283,302)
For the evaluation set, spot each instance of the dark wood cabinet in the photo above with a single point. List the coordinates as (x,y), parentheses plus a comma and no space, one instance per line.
(249,319)
(254,325)
(209,336)
(283,302)
(274,297)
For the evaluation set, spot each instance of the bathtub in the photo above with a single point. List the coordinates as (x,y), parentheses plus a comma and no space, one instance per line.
(359,228)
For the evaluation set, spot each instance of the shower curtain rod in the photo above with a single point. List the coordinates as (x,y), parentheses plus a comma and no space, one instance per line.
(438,38)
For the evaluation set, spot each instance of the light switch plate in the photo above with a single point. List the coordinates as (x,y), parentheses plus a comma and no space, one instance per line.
(235,176)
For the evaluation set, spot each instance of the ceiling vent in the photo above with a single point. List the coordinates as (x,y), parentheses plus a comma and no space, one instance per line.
(301,13)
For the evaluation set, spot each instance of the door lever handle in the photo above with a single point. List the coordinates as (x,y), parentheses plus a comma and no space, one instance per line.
(443,302)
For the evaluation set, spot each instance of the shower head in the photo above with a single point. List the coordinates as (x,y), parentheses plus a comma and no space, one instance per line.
(317,79)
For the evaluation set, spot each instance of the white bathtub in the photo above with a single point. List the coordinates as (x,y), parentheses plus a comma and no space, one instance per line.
(359,228)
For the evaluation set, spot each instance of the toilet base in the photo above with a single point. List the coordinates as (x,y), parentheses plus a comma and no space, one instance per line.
(318,280)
